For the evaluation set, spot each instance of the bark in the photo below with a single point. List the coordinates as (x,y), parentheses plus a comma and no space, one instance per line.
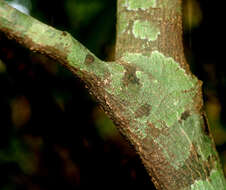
(149,91)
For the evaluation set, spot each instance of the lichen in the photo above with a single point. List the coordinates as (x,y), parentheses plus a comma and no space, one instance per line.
(145,30)
(164,84)
(170,92)
(216,181)
(123,24)
(141,4)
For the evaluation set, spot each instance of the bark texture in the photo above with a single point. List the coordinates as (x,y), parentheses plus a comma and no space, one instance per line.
(149,91)
(169,127)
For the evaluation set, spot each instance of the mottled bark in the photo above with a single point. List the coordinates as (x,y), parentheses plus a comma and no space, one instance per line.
(149,91)
(168,126)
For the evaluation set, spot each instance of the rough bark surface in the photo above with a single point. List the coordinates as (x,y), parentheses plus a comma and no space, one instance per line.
(149,91)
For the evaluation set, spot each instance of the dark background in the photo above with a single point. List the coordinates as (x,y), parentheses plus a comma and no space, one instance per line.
(53,135)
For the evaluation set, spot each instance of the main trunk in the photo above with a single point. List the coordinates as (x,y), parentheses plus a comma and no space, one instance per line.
(169,129)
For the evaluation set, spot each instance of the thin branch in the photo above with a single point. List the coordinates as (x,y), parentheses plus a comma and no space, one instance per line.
(101,78)
(44,39)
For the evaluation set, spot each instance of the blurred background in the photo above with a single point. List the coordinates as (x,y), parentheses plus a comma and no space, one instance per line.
(52,133)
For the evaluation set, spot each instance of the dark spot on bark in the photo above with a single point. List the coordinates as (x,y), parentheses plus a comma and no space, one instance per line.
(143,110)
(185,115)
(155,132)
(64,33)
(89,59)
(199,156)
(130,76)
(205,125)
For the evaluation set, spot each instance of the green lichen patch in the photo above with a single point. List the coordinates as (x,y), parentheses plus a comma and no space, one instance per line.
(216,181)
(141,4)
(170,92)
(145,30)
(165,86)
(123,23)
(180,139)
(116,77)
(159,82)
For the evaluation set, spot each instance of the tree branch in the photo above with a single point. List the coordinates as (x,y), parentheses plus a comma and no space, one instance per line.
(44,39)
(148,92)
(61,46)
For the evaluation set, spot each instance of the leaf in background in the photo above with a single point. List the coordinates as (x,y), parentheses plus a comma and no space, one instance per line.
(213,109)
(2,67)
(21,111)
(104,125)
(192,14)
(81,12)
(18,153)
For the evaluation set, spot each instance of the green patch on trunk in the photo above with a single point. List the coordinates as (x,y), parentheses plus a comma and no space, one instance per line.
(141,4)
(145,30)
(163,85)
(213,183)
